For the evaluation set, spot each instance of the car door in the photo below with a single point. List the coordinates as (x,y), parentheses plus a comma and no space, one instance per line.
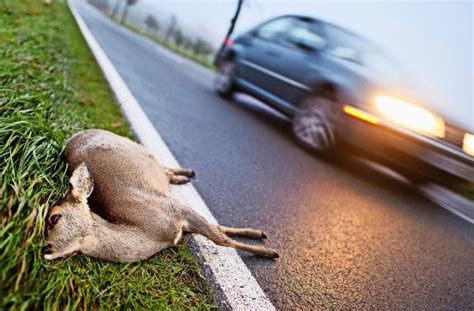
(299,60)
(278,58)
(262,49)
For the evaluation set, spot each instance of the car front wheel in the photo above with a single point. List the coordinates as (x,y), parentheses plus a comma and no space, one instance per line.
(224,83)
(315,123)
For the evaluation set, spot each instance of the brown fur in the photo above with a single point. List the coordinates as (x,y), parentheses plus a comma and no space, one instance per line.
(119,206)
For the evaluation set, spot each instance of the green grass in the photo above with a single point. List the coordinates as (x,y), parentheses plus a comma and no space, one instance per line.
(51,87)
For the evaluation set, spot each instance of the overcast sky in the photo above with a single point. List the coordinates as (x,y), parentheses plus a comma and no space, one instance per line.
(432,39)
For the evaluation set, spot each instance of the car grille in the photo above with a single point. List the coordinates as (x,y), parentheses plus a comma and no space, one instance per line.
(454,136)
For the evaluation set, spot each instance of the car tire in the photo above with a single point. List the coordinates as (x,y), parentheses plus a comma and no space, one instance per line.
(224,84)
(315,123)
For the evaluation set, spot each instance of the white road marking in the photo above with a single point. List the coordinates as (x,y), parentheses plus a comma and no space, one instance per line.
(234,285)
(448,199)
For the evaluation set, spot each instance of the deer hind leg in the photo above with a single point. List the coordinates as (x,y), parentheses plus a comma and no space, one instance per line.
(244,232)
(216,234)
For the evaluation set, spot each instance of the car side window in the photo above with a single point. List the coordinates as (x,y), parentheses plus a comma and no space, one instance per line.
(350,47)
(306,35)
(344,45)
(274,30)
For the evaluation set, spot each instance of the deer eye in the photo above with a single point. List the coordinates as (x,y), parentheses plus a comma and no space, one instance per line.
(53,220)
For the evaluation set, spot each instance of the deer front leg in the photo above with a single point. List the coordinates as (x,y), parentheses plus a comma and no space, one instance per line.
(180,172)
(178,180)
(179,176)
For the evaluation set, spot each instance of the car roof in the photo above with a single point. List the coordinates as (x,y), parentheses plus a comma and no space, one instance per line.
(321,21)
(371,43)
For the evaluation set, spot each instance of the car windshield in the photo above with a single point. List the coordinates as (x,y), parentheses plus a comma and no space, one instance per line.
(345,45)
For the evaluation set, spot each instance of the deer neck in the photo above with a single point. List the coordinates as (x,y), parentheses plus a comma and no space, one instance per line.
(119,243)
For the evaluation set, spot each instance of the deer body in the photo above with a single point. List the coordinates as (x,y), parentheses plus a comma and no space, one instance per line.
(119,206)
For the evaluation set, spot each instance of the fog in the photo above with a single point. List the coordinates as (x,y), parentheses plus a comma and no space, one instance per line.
(432,39)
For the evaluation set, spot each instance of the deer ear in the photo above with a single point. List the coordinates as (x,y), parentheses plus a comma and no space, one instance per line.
(81,182)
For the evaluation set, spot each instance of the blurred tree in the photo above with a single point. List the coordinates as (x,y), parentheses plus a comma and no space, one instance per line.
(102,5)
(178,37)
(188,43)
(202,48)
(233,22)
(196,47)
(115,9)
(171,28)
(128,3)
(207,49)
(152,24)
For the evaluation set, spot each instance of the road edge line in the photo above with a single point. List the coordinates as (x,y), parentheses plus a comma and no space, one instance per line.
(233,284)
(449,200)
(443,197)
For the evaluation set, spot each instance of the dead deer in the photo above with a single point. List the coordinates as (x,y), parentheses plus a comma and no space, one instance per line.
(119,207)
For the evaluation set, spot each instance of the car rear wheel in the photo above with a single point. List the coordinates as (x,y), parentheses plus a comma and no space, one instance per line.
(224,83)
(315,123)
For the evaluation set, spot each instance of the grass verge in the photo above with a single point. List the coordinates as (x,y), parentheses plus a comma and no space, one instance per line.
(51,87)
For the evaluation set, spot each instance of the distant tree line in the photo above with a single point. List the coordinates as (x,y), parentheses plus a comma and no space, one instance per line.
(172,35)
(103,5)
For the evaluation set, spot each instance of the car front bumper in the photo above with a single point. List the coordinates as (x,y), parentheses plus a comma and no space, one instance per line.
(405,149)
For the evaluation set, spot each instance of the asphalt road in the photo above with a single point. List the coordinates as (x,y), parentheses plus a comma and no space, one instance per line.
(348,236)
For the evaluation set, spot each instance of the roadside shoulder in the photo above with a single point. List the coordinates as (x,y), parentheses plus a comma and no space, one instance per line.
(234,285)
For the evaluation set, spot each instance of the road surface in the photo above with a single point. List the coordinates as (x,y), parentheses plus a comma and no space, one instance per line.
(348,236)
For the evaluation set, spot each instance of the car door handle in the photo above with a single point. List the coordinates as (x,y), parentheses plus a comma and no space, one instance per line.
(272,53)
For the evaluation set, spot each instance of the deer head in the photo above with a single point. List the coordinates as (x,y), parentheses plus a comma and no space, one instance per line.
(70,221)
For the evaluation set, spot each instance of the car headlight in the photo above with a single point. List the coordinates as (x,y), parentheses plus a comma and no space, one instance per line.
(468,144)
(410,116)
